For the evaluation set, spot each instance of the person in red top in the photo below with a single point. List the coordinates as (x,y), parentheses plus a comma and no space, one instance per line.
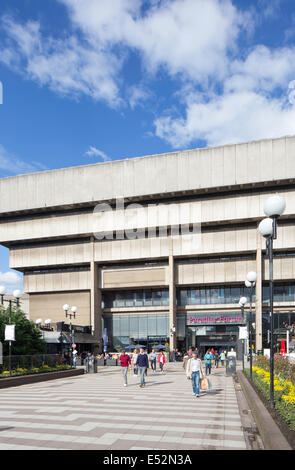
(125,363)
(161,360)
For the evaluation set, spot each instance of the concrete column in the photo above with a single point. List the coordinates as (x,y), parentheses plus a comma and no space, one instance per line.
(172,297)
(95,299)
(258,304)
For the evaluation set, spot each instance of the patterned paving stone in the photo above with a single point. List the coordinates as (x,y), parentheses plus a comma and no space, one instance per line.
(95,411)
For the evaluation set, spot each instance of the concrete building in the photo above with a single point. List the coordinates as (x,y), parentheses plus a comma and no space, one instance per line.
(123,264)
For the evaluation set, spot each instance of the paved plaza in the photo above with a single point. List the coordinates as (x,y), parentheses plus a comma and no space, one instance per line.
(95,411)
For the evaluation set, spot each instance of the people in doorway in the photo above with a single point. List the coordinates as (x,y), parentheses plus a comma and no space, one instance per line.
(153,360)
(194,371)
(161,361)
(125,363)
(142,362)
(208,364)
(134,365)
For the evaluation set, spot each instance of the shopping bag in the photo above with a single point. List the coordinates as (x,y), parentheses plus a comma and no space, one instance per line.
(204,384)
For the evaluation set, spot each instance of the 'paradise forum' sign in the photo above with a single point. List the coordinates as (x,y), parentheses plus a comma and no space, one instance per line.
(209,318)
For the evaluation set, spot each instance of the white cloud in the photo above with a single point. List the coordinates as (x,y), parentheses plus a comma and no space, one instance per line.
(137,95)
(196,42)
(10,278)
(66,66)
(94,152)
(10,164)
(229,118)
(191,37)
(187,37)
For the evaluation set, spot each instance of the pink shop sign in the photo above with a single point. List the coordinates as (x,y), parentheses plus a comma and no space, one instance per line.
(220,318)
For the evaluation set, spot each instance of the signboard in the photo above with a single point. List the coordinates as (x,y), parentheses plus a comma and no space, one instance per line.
(9,332)
(223,318)
(243,332)
(74,345)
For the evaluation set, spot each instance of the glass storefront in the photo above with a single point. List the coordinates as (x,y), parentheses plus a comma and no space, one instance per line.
(147,330)
(211,295)
(282,293)
(136,298)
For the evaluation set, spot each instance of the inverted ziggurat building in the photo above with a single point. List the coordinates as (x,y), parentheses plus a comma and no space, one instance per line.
(130,269)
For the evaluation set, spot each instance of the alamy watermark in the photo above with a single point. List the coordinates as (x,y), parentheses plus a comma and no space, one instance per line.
(134,221)
(1,93)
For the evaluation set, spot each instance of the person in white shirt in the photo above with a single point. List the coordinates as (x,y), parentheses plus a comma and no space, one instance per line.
(133,362)
(194,371)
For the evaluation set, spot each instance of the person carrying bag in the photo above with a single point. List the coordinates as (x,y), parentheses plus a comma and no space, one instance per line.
(194,371)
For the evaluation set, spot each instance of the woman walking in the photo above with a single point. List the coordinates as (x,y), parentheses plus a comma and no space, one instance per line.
(194,371)
(208,364)
(134,365)
(161,360)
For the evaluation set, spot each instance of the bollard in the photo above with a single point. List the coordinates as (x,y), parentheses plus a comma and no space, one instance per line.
(95,365)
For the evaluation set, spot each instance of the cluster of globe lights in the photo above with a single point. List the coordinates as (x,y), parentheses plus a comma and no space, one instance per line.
(16,293)
(273,207)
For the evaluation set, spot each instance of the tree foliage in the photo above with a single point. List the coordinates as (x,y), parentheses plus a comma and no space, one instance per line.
(28,338)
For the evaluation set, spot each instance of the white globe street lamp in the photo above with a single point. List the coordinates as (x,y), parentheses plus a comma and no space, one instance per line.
(273,207)
(243,301)
(17,293)
(252,277)
(2,293)
(2,290)
(74,309)
(266,227)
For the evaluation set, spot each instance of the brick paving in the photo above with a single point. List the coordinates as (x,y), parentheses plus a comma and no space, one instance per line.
(95,411)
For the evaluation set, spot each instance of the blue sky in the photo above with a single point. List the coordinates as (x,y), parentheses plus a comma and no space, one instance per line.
(89,80)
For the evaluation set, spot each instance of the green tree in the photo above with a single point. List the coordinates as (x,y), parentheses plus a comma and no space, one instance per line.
(28,338)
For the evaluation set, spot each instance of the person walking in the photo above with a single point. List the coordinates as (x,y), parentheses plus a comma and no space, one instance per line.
(216,359)
(194,371)
(142,362)
(208,364)
(174,355)
(153,360)
(134,366)
(222,357)
(125,363)
(161,360)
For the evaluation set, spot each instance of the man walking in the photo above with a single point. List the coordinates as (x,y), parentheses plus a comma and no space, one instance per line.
(125,363)
(153,359)
(142,362)
(194,371)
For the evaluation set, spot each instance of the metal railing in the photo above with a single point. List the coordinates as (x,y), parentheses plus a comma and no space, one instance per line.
(28,363)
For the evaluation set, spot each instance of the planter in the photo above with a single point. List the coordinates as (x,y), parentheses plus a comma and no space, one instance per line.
(40,377)
(275,433)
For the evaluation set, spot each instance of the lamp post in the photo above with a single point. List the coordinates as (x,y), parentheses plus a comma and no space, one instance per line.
(74,309)
(251,278)
(274,206)
(242,303)
(16,294)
